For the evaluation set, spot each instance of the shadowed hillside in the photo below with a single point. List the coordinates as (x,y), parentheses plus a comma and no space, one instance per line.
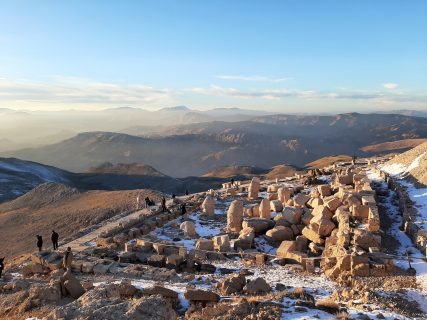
(190,150)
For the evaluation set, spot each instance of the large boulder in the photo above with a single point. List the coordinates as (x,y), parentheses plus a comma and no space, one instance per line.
(256,286)
(332,203)
(246,237)
(157,260)
(221,243)
(301,199)
(33,268)
(204,244)
(276,205)
(360,211)
(324,190)
(253,189)
(284,194)
(188,228)
(48,259)
(344,179)
(201,295)
(322,226)
(286,247)
(323,212)
(292,215)
(232,284)
(312,235)
(235,216)
(258,224)
(102,266)
(264,209)
(251,211)
(208,206)
(365,239)
(279,234)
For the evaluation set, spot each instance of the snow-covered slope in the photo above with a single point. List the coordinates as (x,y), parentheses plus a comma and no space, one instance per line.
(412,164)
(18,177)
(411,168)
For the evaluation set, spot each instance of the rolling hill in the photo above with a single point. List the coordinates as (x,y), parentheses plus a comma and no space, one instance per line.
(17,177)
(399,145)
(411,164)
(265,141)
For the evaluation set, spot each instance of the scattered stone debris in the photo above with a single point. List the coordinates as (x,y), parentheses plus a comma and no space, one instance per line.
(309,245)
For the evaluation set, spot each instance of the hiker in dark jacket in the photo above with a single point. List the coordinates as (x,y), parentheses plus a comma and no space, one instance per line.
(1,266)
(55,238)
(164,205)
(39,242)
(186,192)
(183,210)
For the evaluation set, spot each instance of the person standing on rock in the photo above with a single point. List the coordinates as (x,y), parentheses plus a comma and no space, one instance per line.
(1,266)
(232,182)
(67,259)
(39,242)
(186,192)
(55,238)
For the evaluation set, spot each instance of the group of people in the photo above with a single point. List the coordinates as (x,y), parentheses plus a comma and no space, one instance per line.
(68,255)
(54,237)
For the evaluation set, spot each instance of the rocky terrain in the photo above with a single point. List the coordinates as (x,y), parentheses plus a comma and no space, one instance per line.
(324,244)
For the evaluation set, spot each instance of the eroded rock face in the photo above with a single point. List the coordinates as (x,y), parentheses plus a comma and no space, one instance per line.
(106,302)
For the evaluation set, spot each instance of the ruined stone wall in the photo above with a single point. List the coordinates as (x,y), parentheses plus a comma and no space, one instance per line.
(409,214)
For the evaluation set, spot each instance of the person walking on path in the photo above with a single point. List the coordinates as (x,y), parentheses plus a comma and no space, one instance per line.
(1,266)
(55,238)
(39,242)
(67,259)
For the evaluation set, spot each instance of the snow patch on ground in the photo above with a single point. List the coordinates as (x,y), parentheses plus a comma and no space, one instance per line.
(406,245)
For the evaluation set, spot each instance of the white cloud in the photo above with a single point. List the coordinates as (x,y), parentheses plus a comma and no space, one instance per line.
(75,91)
(390,85)
(380,98)
(251,78)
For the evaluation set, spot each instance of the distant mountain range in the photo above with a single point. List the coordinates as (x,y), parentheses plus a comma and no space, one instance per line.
(264,141)
(22,129)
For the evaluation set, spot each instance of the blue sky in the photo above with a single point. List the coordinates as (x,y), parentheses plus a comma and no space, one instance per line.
(308,56)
